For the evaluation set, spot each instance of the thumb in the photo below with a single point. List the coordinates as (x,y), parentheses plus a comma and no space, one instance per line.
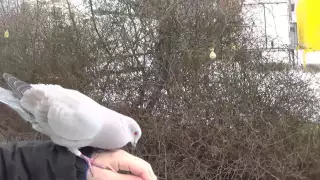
(94,178)
(102,174)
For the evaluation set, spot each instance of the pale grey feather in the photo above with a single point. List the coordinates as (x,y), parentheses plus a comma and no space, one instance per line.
(8,97)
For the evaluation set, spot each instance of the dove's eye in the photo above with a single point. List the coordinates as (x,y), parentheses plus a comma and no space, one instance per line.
(135,133)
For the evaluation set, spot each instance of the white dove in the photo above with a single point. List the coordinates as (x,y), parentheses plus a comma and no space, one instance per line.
(70,118)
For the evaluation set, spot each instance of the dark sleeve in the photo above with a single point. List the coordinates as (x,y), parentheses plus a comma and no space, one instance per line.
(40,160)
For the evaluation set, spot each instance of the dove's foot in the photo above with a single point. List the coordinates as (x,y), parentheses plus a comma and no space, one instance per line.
(99,165)
(91,163)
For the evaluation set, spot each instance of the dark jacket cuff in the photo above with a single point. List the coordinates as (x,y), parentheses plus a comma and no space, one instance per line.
(38,160)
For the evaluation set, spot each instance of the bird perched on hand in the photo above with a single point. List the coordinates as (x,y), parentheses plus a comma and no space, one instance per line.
(70,118)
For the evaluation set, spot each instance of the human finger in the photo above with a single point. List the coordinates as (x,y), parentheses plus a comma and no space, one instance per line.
(102,174)
(121,160)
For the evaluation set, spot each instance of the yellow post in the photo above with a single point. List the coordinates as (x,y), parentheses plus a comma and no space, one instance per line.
(304,61)
(308,13)
(308,24)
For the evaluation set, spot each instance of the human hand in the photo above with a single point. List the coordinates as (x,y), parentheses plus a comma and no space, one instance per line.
(121,160)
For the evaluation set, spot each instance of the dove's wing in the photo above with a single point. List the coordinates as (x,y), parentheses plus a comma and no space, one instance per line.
(16,85)
(58,112)
(69,114)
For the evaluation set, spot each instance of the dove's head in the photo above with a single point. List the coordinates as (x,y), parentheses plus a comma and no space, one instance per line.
(135,131)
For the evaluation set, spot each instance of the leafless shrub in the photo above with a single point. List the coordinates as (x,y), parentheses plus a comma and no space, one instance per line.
(240,116)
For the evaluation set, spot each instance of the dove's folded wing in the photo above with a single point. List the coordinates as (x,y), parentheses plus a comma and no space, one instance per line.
(68,116)
(73,124)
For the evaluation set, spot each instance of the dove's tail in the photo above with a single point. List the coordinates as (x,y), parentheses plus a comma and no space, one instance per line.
(8,98)
(16,85)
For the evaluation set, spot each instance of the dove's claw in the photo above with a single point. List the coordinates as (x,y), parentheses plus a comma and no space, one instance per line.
(101,166)
(91,163)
